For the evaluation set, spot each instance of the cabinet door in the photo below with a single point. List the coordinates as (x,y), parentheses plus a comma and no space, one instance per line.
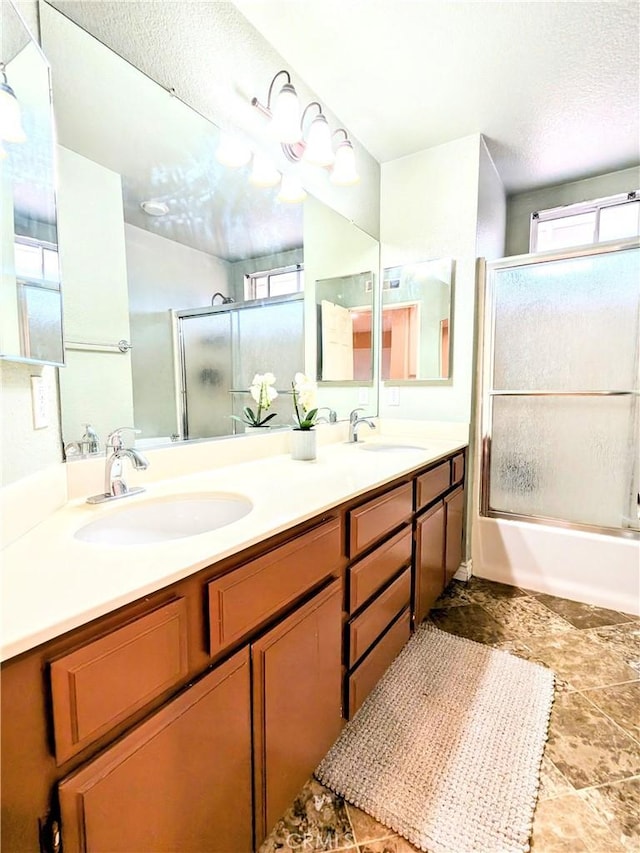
(429,578)
(297,702)
(453,554)
(179,781)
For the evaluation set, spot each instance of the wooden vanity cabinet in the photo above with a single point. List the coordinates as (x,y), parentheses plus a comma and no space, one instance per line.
(454,504)
(179,781)
(189,719)
(429,574)
(297,702)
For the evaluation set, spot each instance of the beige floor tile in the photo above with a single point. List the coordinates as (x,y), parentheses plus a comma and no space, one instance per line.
(588,748)
(316,821)
(522,618)
(621,703)
(580,659)
(389,845)
(552,782)
(569,825)
(366,828)
(619,804)
(583,615)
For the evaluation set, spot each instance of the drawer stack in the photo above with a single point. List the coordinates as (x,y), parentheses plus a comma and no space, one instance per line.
(380,546)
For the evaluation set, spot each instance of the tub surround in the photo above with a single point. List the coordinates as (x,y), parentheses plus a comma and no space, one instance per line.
(52,583)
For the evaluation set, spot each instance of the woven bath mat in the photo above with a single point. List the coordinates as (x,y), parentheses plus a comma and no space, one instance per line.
(446,750)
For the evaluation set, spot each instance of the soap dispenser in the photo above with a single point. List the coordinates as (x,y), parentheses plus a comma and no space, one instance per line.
(90,442)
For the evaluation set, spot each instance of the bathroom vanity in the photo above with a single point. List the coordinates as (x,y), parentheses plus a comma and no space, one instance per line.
(190,716)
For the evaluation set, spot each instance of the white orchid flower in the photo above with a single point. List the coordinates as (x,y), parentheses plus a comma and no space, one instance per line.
(262,389)
(306,390)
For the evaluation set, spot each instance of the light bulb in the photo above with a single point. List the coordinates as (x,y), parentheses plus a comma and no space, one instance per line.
(264,173)
(344,170)
(291,190)
(286,116)
(318,150)
(11,128)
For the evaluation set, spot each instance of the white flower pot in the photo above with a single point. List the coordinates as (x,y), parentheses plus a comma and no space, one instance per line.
(303,444)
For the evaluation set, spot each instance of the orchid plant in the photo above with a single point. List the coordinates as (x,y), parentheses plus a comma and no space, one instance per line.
(263,392)
(304,401)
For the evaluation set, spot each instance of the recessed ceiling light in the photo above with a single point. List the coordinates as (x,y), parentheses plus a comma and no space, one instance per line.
(155,208)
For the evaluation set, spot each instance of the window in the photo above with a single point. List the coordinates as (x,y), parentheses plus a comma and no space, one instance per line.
(613,218)
(36,261)
(278,282)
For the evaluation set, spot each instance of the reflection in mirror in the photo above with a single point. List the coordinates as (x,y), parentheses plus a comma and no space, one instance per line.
(30,297)
(185,287)
(416,317)
(345,350)
(343,261)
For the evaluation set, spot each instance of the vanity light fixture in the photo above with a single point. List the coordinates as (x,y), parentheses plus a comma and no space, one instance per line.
(11,129)
(313,144)
(285,112)
(344,172)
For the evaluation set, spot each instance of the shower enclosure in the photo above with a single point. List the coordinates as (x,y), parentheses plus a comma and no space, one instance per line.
(220,350)
(561,389)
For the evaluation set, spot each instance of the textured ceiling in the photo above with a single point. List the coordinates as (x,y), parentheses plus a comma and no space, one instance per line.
(108,111)
(553,86)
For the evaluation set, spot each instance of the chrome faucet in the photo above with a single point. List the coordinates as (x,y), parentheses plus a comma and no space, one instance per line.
(330,418)
(114,482)
(354,422)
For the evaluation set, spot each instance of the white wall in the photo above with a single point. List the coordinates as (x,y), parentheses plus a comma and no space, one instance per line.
(95,386)
(25,450)
(163,274)
(429,209)
(520,207)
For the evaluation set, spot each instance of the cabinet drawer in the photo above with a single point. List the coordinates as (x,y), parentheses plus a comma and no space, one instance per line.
(365,629)
(432,484)
(369,574)
(367,674)
(376,517)
(101,684)
(244,598)
(458,468)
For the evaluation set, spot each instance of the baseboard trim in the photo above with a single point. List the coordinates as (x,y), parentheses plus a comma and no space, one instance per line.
(465,571)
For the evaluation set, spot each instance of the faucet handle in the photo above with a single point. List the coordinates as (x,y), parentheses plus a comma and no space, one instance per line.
(353,417)
(114,439)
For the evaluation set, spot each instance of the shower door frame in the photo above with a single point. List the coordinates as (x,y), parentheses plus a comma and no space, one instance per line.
(488,393)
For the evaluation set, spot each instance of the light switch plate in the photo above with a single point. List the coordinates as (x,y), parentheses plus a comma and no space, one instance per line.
(363,396)
(393,396)
(39,403)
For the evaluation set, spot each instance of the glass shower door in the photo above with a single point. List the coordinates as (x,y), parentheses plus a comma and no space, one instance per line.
(562,393)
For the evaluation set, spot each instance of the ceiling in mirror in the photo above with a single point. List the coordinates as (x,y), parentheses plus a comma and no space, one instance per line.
(114,115)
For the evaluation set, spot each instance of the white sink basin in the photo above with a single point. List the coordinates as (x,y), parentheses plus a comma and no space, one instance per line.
(160,520)
(390,447)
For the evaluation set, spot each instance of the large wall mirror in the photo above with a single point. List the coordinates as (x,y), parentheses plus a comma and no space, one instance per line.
(416,334)
(182,279)
(30,293)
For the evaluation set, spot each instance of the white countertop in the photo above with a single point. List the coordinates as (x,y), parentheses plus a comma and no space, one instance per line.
(52,582)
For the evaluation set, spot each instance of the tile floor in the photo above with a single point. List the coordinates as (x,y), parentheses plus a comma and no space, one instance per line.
(589,798)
